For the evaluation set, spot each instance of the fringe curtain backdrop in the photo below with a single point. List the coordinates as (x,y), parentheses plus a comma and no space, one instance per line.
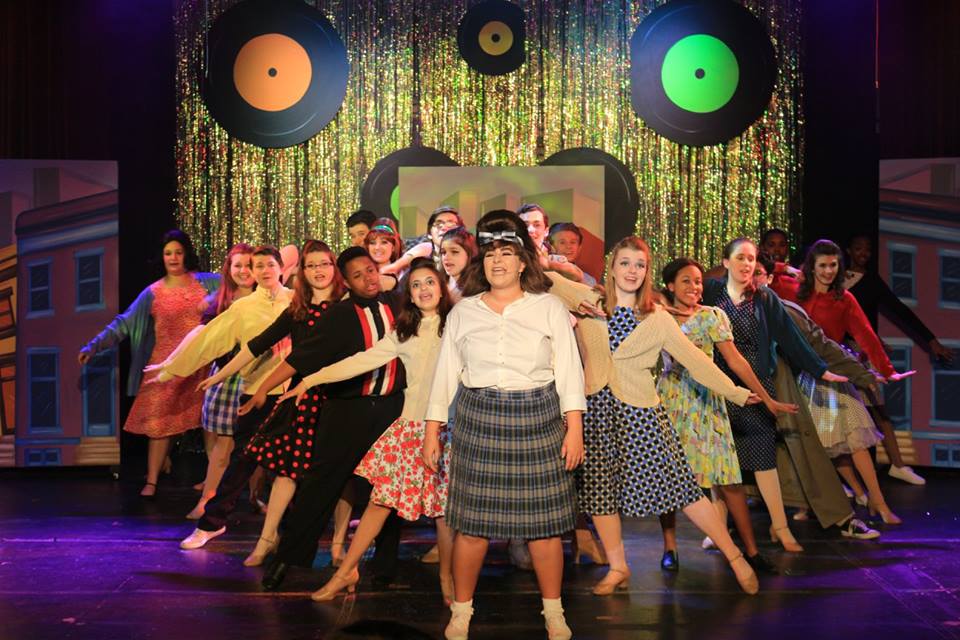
(573,90)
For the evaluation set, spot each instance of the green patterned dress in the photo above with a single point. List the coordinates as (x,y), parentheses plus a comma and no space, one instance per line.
(698,414)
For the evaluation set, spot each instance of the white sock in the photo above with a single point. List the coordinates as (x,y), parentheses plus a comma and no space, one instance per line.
(552,605)
(462,607)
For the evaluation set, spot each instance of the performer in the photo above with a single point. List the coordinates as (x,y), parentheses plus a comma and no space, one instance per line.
(157,320)
(384,245)
(359,224)
(635,465)
(873,293)
(843,423)
(700,415)
(760,323)
(808,478)
(221,401)
(509,357)
(567,240)
(283,444)
(537,224)
(441,220)
(457,249)
(243,320)
(393,465)
(368,403)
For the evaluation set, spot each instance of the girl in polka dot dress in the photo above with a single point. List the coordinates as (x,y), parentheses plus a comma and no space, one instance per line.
(284,442)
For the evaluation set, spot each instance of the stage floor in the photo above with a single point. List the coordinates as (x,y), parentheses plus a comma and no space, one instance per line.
(82,557)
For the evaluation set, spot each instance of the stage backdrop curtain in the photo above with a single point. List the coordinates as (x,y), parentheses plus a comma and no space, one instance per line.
(573,91)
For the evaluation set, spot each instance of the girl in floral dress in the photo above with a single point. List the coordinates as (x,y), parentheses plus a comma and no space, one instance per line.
(700,415)
(401,481)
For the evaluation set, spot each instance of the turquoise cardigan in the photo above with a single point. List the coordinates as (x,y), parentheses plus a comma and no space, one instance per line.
(136,323)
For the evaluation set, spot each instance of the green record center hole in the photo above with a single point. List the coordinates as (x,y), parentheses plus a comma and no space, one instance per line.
(700,73)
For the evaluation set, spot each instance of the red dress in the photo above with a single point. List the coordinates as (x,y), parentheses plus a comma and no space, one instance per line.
(170,408)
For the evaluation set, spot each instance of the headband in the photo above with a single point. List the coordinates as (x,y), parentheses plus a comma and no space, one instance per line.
(486,237)
(383,227)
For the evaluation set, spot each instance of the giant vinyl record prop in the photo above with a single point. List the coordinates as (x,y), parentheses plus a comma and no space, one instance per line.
(380,191)
(620,198)
(491,37)
(277,72)
(701,71)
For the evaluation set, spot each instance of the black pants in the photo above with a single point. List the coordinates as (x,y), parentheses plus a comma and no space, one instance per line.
(239,469)
(346,429)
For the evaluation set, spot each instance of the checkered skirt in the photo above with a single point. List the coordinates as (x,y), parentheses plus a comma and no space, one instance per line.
(220,405)
(506,475)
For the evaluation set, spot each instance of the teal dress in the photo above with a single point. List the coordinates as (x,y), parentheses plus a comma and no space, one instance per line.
(698,414)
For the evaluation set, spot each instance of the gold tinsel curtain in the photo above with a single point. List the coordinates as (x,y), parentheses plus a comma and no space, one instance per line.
(573,91)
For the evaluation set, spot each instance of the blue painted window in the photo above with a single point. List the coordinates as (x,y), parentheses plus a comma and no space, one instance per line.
(43,372)
(89,268)
(99,393)
(41,457)
(897,395)
(902,270)
(40,302)
(946,392)
(945,455)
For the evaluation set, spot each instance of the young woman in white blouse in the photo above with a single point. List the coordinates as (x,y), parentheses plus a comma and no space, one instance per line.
(509,348)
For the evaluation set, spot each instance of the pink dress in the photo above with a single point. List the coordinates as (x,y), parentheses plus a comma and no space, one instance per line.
(170,408)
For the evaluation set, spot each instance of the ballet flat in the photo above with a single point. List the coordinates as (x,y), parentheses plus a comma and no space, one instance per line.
(749,583)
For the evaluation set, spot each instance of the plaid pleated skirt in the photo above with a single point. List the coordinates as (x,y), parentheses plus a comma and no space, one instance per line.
(507,479)
(220,405)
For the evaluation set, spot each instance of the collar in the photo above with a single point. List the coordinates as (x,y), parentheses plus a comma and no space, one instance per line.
(365,302)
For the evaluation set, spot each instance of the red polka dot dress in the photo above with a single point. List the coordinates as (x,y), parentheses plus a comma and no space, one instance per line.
(284,442)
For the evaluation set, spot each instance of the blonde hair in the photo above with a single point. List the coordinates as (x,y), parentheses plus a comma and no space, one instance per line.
(645,302)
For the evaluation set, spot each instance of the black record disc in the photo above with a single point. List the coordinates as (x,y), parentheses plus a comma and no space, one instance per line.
(491,37)
(620,198)
(380,190)
(701,71)
(276,72)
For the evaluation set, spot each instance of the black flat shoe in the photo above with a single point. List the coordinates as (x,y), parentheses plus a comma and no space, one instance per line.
(761,565)
(670,561)
(274,575)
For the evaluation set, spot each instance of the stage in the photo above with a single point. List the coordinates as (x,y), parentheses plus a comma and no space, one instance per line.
(83,557)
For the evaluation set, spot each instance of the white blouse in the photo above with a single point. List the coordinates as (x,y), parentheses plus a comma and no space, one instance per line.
(528,346)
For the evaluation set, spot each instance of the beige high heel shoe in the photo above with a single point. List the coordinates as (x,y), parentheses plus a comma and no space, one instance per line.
(746,577)
(888,516)
(335,585)
(256,559)
(791,546)
(615,579)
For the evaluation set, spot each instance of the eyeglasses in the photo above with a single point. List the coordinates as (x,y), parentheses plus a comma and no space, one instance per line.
(439,224)
(313,266)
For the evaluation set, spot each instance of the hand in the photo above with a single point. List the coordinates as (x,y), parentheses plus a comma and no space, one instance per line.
(253,403)
(209,382)
(152,368)
(572,449)
(203,306)
(832,377)
(592,310)
(152,380)
(295,392)
(753,399)
(83,357)
(431,452)
(897,377)
(941,352)
(776,408)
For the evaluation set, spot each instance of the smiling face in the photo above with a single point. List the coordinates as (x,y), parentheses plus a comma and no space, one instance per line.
(860,252)
(424,290)
(241,270)
(443,223)
(742,262)
(174,258)
(536,225)
(687,286)
(567,244)
(629,270)
(502,265)
(380,249)
(825,269)
(454,258)
(319,269)
(362,277)
(266,270)
(776,246)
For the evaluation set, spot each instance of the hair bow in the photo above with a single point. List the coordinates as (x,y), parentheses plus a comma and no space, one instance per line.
(486,237)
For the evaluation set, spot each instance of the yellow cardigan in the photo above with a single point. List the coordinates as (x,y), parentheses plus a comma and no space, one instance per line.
(628,371)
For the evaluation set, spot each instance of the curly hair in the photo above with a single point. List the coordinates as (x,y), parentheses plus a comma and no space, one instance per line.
(670,272)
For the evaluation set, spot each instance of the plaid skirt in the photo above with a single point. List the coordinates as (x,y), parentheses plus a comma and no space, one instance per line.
(220,405)
(507,479)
